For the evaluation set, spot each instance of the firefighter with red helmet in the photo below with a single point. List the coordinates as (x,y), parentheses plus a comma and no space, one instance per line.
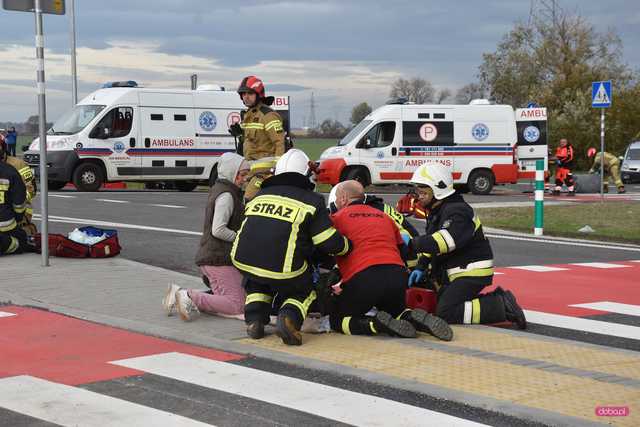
(564,162)
(611,166)
(263,133)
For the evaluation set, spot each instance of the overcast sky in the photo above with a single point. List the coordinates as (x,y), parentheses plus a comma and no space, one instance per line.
(345,52)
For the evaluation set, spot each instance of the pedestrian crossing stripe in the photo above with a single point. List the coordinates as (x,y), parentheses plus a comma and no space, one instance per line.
(612,307)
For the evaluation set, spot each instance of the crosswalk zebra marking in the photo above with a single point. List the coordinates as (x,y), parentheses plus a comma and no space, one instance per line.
(612,307)
(585,325)
(539,268)
(600,265)
(317,399)
(75,407)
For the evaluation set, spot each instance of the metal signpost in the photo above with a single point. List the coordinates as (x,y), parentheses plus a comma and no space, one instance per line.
(39,7)
(601,98)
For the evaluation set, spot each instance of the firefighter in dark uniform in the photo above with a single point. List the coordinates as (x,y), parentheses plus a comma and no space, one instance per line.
(284,224)
(459,255)
(564,164)
(30,183)
(13,197)
(374,274)
(263,133)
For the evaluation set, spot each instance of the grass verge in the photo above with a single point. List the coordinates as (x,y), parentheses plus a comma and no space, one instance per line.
(612,221)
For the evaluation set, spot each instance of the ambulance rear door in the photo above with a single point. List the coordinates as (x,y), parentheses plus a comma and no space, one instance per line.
(427,137)
(533,145)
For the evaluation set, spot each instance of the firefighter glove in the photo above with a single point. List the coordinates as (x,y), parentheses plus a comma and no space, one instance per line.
(416,276)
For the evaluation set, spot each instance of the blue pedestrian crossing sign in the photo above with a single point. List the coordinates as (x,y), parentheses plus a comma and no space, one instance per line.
(601,94)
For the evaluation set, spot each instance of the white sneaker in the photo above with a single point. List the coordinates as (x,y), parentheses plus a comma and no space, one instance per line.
(169,300)
(185,305)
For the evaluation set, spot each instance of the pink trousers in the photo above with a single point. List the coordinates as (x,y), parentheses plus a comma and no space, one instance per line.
(228,294)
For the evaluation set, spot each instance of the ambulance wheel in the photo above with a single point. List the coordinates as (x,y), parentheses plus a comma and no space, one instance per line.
(88,177)
(186,186)
(359,175)
(481,182)
(56,185)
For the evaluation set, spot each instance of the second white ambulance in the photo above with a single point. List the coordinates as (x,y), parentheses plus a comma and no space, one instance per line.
(483,144)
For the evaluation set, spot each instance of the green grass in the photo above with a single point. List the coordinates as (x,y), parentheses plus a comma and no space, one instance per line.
(314,146)
(612,221)
(23,141)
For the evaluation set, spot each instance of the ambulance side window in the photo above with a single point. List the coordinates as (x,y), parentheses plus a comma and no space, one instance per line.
(381,135)
(115,124)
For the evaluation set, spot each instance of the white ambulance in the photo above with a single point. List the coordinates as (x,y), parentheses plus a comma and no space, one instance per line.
(125,132)
(483,144)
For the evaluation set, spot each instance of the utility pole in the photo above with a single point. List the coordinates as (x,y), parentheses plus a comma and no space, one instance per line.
(312,113)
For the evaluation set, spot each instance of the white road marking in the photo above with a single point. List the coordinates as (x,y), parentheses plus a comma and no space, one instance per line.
(611,307)
(62,196)
(539,268)
(169,206)
(599,265)
(497,272)
(585,325)
(313,398)
(72,406)
(68,220)
(562,242)
(112,201)
(6,314)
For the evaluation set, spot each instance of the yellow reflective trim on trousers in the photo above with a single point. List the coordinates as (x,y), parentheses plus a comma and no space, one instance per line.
(372,327)
(442,244)
(478,272)
(4,187)
(477,223)
(258,297)
(346,247)
(302,306)
(323,236)
(345,325)
(475,311)
(13,246)
(9,226)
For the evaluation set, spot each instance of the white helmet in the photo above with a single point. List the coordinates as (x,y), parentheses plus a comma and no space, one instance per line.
(293,160)
(437,177)
(331,201)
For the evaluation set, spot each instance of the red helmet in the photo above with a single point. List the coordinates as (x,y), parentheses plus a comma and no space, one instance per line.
(251,84)
(591,152)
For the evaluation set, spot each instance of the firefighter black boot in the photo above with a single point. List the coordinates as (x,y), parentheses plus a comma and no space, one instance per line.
(512,310)
(287,331)
(426,322)
(384,322)
(255,330)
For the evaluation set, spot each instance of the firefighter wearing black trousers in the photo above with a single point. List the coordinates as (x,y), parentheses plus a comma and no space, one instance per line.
(13,196)
(373,273)
(284,224)
(459,254)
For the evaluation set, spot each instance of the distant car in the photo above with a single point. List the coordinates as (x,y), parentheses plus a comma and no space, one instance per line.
(630,169)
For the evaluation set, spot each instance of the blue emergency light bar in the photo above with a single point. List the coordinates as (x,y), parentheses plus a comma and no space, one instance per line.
(128,83)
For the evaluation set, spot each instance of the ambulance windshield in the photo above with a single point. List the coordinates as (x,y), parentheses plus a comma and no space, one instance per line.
(354,132)
(75,120)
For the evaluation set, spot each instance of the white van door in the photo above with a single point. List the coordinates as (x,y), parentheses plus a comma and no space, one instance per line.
(211,127)
(111,139)
(377,150)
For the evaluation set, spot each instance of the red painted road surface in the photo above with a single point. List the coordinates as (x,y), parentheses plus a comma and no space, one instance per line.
(71,351)
(555,291)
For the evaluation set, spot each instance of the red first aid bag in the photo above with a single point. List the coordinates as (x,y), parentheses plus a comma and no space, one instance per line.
(62,246)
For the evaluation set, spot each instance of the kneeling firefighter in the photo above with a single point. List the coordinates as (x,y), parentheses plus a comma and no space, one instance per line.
(460,255)
(29,181)
(284,224)
(13,196)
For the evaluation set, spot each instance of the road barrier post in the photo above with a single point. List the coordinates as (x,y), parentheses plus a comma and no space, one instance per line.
(539,198)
